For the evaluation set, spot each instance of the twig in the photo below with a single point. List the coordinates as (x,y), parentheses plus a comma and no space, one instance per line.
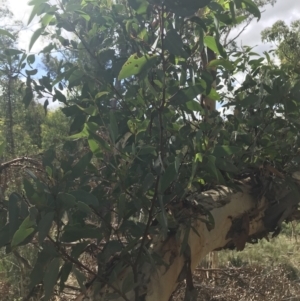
(237,36)
(12,162)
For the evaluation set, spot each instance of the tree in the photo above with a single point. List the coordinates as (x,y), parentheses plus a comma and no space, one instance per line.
(161,179)
(287,42)
(7,76)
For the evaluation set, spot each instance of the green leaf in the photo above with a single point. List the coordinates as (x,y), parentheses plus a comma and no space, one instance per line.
(128,283)
(29,189)
(84,207)
(25,229)
(45,225)
(183,76)
(135,65)
(211,167)
(31,59)
(68,26)
(215,46)
(199,21)
(75,78)
(174,44)
(100,94)
(80,278)
(65,272)
(113,126)
(168,177)
(198,157)
(46,82)
(162,217)
(43,257)
(35,36)
(140,6)
(252,8)
(46,19)
(83,14)
(95,147)
(76,232)
(50,278)
(36,2)
(45,106)
(148,182)
(91,110)
(221,62)
(81,165)
(20,236)
(232,11)
(121,206)
(6,33)
(61,97)
(213,94)
(225,165)
(186,8)
(31,72)
(194,105)
(225,150)
(28,97)
(187,94)
(36,9)
(11,52)
(85,197)
(68,200)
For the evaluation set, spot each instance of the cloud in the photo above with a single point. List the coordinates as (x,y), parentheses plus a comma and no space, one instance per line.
(22,11)
(286,10)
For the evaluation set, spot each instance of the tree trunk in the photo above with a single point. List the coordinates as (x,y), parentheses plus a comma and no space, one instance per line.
(238,218)
(9,117)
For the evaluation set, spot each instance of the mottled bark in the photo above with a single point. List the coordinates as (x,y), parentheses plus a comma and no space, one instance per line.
(229,210)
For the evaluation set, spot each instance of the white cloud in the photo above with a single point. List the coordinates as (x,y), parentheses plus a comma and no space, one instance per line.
(22,11)
(286,10)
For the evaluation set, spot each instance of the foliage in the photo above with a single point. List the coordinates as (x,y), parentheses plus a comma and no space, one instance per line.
(54,129)
(134,96)
(287,41)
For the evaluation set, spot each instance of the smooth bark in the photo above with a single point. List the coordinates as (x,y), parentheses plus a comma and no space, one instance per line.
(238,217)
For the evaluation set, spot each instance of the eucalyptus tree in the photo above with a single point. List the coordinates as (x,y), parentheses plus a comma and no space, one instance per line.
(286,39)
(7,74)
(202,181)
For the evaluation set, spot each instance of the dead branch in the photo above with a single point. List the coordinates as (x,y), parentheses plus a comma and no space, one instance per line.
(8,164)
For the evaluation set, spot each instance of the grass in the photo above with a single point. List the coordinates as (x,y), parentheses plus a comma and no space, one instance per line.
(268,270)
(282,250)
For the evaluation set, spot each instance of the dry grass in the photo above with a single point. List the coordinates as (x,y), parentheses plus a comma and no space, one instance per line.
(267,271)
(252,283)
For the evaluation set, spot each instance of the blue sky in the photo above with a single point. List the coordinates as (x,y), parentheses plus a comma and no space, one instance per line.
(287,10)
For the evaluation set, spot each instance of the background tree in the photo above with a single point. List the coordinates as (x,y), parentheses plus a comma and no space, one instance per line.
(287,42)
(21,134)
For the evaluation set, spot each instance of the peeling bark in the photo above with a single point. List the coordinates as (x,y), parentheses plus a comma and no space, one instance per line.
(238,218)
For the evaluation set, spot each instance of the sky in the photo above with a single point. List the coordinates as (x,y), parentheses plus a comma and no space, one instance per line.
(286,10)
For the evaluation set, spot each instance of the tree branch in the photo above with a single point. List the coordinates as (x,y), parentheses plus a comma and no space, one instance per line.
(7,164)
